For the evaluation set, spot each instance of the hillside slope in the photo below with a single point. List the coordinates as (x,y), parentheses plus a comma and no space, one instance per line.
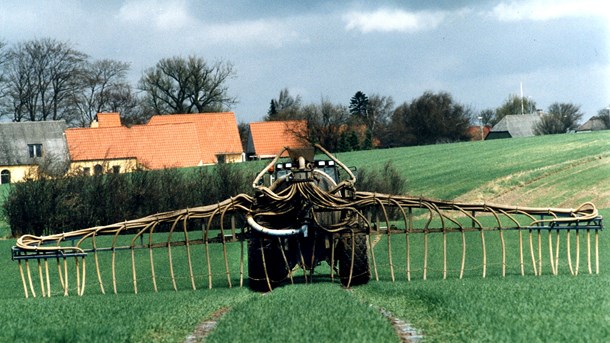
(548,171)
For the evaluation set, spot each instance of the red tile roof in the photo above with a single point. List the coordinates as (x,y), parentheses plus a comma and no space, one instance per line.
(269,137)
(474,131)
(217,132)
(180,140)
(154,146)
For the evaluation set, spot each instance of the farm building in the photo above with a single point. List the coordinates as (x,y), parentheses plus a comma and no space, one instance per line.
(217,133)
(29,148)
(267,138)
(593,124)
(168,141)
(515,125)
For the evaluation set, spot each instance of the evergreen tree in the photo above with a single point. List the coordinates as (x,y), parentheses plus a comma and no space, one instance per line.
(352,140)
(272,113)
(367,144)
(342,144)
(358,105)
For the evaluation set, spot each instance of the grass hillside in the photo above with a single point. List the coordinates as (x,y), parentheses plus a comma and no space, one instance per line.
(556,170)
(550,171)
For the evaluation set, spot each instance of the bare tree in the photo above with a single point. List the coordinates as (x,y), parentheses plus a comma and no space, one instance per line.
(513,105)
(3,56)
(42,75)
(604,116)
(326,122)
(123,99)
(103,83)
(187,85)
(379,110)
(285,107)
(3,59)
(485,117)
(244,130)
(3,81)
(561,118)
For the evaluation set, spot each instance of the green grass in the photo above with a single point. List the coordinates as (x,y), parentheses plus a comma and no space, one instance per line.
(515,308)
(5,230)
(304,313)
(448,171)
(552,171)
(147,317)
(511,309)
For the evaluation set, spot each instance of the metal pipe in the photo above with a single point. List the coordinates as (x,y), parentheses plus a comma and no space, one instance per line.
(276,233)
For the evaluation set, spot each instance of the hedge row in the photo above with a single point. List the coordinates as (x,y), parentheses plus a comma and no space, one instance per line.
(49,206)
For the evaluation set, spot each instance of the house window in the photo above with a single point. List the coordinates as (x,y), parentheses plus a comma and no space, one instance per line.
(35,150)
(5,177)
(116,169)
(86,171)
(221,158)
(98,169)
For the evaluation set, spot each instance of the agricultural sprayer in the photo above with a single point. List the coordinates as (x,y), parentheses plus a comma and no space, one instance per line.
(306,213)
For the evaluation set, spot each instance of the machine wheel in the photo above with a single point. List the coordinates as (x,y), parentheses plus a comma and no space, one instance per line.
(263,277)
(361,273)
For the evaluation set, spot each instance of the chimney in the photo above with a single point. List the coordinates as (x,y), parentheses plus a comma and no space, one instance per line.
(107,120)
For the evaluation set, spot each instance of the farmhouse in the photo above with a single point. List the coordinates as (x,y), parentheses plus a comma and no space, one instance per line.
(515,125)
(593,124)
(217,133)
(267,138)
(30,148)
(182,140)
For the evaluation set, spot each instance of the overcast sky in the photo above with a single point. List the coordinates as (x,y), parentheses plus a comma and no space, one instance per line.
(479,51)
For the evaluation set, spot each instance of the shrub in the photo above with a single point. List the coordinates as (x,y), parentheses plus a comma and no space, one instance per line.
(48,206)
(387,180)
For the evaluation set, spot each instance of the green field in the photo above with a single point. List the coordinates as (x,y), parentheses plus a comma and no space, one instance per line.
(550,171)
(5,231)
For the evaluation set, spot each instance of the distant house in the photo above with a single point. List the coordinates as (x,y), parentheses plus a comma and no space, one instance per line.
(593,124)
(28,148)
(515,125)
(267,138)
(184,140)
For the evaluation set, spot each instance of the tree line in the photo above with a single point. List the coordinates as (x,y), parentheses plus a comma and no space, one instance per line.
(432,118)
(46,79)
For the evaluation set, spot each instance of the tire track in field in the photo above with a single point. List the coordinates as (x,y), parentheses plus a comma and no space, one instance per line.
(543,187)
(499,190)
(206,327)
(404,330)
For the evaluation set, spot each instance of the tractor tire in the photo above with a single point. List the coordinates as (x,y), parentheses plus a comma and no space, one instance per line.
(361,273)
(263,277)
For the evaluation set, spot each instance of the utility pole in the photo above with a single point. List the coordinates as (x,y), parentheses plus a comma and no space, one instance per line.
(521,86)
